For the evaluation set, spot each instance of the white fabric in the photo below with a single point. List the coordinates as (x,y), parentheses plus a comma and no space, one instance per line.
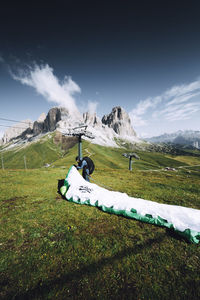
(181,217)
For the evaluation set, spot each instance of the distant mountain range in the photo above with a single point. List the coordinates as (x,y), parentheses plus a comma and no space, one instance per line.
(186,137)
(105,131)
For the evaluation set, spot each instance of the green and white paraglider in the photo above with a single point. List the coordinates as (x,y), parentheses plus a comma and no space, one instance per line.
(185,221)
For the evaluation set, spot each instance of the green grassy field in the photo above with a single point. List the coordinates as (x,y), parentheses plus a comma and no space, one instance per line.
(54,249)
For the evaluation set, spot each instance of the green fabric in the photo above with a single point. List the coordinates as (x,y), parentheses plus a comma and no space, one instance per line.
(189,234)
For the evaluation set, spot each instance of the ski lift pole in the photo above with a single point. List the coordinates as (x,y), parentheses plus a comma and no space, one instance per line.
(79,147)
(129,156)
(130,163)
(79,132)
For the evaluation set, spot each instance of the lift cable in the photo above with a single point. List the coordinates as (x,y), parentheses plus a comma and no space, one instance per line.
(13,127)
(4,119)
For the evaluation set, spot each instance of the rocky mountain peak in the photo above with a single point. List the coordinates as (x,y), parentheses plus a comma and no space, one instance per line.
(53,117)
(91,119)
(48,123)
(119,121)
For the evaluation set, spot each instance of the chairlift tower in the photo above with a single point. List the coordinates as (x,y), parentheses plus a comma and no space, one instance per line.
(130,156)
(79,132)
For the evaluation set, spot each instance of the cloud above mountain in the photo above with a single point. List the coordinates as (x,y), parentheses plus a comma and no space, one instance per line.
(92,107)
(43,80)
(178,103)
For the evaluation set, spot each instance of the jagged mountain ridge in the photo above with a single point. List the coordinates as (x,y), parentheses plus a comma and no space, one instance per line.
(119,121)
(17,130)
(186,137)
(115,125)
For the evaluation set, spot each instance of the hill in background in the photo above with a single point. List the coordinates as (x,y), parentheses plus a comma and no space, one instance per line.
(184,138)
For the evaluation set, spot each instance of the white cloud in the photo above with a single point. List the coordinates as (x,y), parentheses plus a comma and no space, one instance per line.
(141,109)
(136,120)
(92,107)
(172,105)
(183,89)
(182,98)
(144,105)
(47,84)
(184,112)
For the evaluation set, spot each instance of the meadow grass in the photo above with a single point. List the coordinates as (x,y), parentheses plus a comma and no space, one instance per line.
(54,249)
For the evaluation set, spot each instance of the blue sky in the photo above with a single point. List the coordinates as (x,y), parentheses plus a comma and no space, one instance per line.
(98,54)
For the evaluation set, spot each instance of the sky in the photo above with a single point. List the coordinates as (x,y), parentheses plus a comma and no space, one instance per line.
(93,55)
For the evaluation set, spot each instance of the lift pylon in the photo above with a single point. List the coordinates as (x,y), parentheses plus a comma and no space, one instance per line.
(79,131)
(130,156)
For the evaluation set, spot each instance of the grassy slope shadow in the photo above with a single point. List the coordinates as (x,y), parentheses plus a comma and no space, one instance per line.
(92,268)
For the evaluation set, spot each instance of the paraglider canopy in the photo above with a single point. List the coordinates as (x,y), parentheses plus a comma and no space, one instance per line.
(183,220)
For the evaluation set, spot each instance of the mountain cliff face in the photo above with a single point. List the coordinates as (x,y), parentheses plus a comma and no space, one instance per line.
(49,123)
(91,119)
(17,130)
(114,125)
(119,121)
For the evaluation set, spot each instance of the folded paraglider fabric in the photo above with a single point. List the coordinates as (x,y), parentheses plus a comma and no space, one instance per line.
(185,221)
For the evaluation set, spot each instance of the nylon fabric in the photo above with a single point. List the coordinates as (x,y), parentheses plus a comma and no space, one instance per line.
(185,221)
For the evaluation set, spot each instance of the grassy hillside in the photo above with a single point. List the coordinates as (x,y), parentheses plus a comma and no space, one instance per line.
(45,151)
(54,249)
(37,154)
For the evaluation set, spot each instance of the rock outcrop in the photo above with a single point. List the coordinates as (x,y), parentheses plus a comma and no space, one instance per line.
(49,123)
(16,130)
(115,125)
(38,127)
(53,117)
(120,122)
(91,119)
(66,142)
